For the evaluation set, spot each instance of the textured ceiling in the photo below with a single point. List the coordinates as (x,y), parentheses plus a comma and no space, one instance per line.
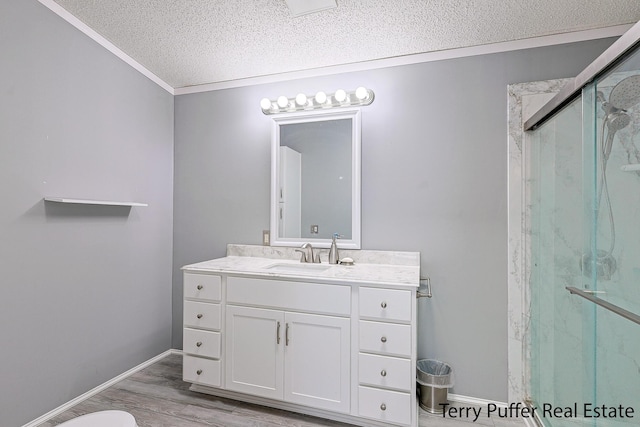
(193,42)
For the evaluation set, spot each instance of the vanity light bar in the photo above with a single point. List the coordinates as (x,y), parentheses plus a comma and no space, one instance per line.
(301,102)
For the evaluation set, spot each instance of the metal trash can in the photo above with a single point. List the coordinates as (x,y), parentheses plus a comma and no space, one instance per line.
(434,379)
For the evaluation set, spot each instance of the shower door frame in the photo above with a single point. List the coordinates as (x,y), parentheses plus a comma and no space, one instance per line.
(601,65)
(519,215)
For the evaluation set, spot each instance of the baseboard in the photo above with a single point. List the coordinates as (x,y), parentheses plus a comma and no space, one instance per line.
(531,422)
(535,421)
(60,409)
(475,400)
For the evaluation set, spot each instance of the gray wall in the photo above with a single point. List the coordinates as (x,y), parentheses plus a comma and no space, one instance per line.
(86,291)
(434,180)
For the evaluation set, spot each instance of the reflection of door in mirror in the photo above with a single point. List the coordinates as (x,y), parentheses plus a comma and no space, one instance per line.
(325,190)
(290,195)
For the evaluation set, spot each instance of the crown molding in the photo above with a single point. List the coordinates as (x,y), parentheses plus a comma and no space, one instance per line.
(486,49)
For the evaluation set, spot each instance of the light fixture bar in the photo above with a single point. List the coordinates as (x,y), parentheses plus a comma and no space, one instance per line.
(321,100)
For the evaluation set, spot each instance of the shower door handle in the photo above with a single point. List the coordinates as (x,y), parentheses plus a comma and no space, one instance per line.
(605,304)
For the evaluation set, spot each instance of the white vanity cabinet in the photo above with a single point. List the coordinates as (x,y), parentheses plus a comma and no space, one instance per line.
(340,348)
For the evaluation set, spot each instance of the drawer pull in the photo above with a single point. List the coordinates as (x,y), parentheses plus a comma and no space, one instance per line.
(278,334)
(200,287)
(383,407)
(199,316)
(199,343)
(286,334)
(383,339)
(383,373)
(199,371)
(384,304)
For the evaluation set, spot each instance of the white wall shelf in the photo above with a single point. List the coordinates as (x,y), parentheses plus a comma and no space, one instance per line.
(92,202)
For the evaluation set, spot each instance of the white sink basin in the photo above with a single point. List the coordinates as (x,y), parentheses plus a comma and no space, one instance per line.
(300,268)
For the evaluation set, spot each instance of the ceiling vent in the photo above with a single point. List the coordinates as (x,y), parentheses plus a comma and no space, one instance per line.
(304,7)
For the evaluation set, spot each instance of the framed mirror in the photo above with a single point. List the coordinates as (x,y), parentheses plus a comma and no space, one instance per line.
(315,178)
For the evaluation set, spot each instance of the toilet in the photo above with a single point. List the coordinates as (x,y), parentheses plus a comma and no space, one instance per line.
(102,419)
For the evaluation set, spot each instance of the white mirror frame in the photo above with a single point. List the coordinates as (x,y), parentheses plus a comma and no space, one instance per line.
(306,117)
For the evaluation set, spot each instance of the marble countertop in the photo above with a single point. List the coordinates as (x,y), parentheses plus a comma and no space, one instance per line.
(379,273)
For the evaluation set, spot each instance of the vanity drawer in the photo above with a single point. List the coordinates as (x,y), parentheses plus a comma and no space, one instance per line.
(385,371)
(385,304)
(201,343)
(201,371)
(202,286)
(385,405)
(299,296)
(386,338)
(202,315)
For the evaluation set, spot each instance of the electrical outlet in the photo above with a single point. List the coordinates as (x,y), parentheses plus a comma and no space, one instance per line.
(266,238)
(314,229)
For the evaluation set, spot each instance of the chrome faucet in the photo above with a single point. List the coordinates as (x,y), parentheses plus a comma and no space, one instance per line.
(307,254)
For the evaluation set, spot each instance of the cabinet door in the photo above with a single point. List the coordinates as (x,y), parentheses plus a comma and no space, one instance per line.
(254,351)
(317,361)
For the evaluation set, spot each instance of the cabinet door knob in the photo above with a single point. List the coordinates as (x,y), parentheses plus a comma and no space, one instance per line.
(199,343)
(384,304)
(383,407)
(383,339)
(383,373)
(199,371)
(199,316)
(200,287)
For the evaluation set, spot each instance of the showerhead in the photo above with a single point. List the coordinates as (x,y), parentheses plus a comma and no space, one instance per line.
(617,120)
(626,93)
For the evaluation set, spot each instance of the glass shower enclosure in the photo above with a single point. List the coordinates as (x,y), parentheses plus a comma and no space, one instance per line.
(584,342)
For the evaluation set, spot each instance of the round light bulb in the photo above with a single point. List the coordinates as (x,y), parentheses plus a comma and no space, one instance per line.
(282,101)
(362,93)
(321,97)
(340,95)
(265,103)
(301,99)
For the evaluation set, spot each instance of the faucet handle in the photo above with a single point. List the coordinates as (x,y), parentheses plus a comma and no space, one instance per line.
(303,257)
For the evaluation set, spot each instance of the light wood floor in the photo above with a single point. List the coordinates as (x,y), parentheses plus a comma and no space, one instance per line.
(156,396)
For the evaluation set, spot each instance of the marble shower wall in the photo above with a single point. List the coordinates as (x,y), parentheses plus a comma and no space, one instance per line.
(524,100)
